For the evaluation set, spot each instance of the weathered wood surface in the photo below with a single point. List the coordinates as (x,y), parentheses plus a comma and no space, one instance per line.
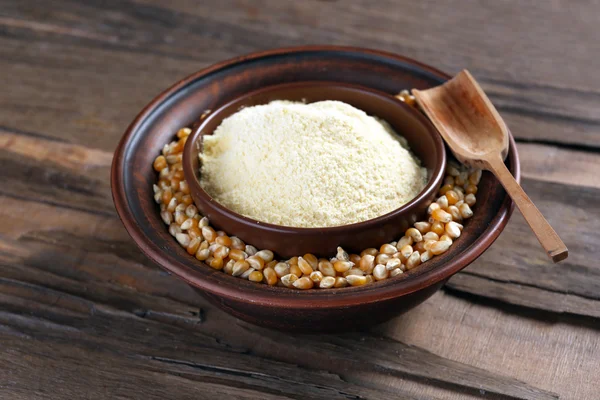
(84,315)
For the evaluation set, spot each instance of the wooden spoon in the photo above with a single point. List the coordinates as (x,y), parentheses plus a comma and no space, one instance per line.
(478,137)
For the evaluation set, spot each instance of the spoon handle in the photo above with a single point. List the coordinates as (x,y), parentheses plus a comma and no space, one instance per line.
(548,238)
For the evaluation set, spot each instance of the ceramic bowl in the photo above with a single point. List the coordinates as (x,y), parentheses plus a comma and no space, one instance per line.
(181,105)
(422,137)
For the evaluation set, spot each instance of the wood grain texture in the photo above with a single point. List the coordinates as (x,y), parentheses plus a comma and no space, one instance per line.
(83,314)
(541,77)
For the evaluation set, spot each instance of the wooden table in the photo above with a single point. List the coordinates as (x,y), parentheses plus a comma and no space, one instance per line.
(84,315)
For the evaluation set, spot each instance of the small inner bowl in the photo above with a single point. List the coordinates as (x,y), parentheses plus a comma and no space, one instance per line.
(422,138)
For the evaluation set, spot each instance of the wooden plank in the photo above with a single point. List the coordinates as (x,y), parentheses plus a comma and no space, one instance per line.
(57,173)
(115,66)
(559,165)
(544,350)
(517,264)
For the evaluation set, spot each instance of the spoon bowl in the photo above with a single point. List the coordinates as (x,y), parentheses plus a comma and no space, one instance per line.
(478,137)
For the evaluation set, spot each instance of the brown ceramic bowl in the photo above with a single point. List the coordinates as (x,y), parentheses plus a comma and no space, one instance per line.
(132,177)
(423,139)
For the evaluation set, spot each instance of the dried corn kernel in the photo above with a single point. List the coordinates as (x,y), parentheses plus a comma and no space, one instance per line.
(256,276)
(326,268)
(405,240)
(444,189)
(465,211)
(393,263)
(327,282)
(316,276)
(380,272)
(342,266)
(470,199)
(342,255)
(414,234)
(437,227)
(240,267)
(303,283)
(340,282)
(441,215)
(304,266)
(281,269)
(256,262)
(295,270)
(223,240)
(355,280)
(389,249)
(266,255)
(452,230)
(371,251)
(270,276)
(423,227)
(289,279)
(452,197)
(413,261)
(440,247)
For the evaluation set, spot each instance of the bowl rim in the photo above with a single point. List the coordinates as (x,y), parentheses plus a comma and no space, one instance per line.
(283,297)
(437,173)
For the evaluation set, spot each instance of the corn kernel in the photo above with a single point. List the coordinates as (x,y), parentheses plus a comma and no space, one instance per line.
(413,261)
(470,199)
(440,247)
(266,255)
(452,230)
(240,267)
(316,276)
(270,276)
(342,266)
(432,207)
(388,248)
(223,240)
(340,282)
(256,276)
(289,279)
(256,262)
(295,270)
(382,259)
(237,255)
(281,269)
(465,211)
(414,234)
(371,251)
(355,280)
(160,163)
(304,266)
(327,282)
(405,240)
(452,197)
(367,263)
(303,283)
(423,227)
(380,272)
(475,177)
(392,263)
(443,202)
(209,234)
(444,189)
(441,215)
(342,255)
